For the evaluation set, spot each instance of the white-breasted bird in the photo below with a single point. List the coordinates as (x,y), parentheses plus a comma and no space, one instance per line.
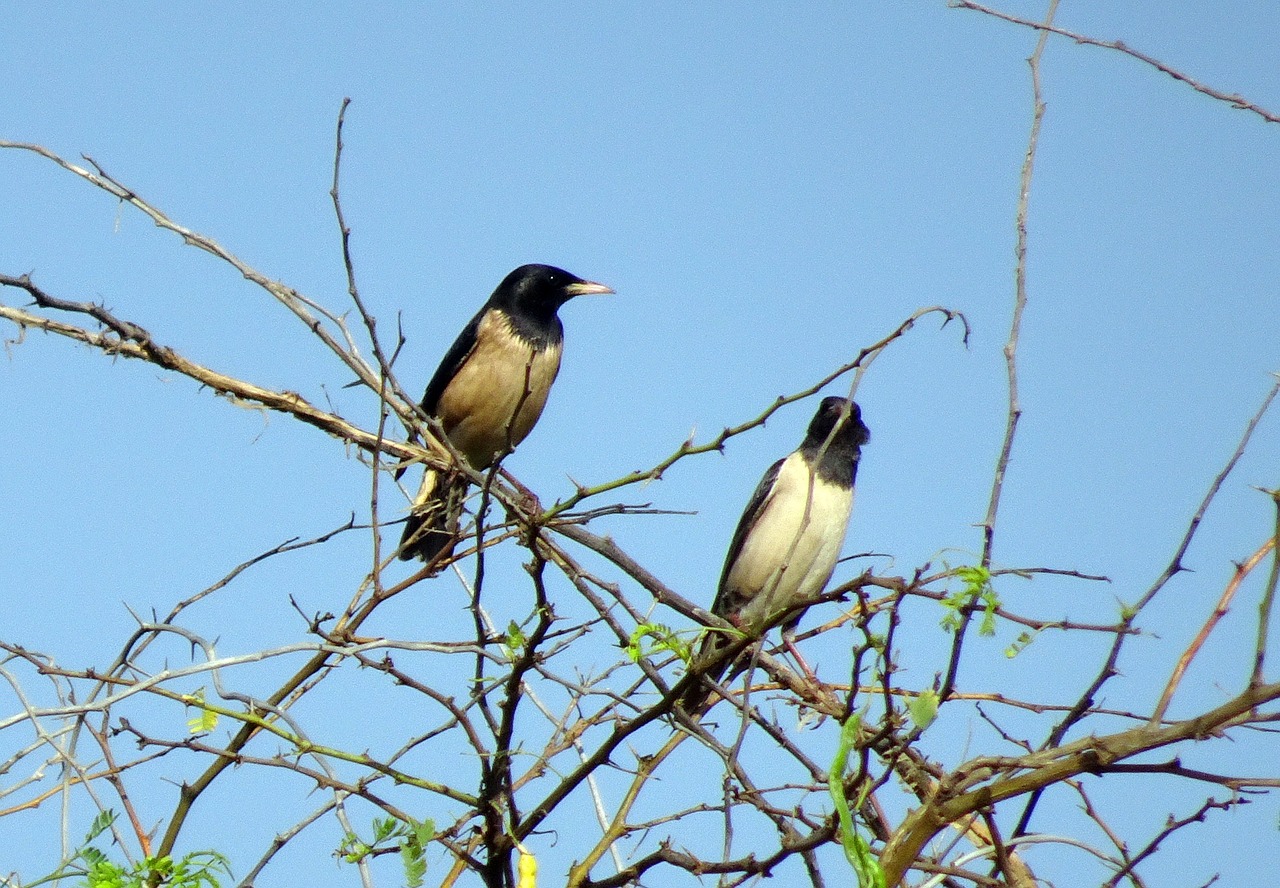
(789,538)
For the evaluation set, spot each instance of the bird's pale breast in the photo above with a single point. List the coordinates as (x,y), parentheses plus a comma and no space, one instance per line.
(788,556)
(498,393)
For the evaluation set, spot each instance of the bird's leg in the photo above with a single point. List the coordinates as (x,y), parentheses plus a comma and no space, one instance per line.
(817,696)
(529,499)
(789,642)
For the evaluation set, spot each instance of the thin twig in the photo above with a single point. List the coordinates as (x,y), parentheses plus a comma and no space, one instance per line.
(1233,99)
(1220,609)
(125,339)
(1010,349)
(1268,598)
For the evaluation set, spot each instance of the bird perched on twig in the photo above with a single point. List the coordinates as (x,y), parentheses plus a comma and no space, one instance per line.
(788,540)
(488,392)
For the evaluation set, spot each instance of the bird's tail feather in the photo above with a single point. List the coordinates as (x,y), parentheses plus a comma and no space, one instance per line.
(431,530)
(699,695)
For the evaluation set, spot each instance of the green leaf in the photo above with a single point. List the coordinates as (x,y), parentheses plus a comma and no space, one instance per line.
(100,824)
(205,721)
(977,589)
(384,829)
(423,832)
(923,708)
(516,638)
(91,855)
(414,859)
(101,872)
(1019,645)
(856,850)
(198,869)
(660,639)
(353,849)
(975,577)
(390,833)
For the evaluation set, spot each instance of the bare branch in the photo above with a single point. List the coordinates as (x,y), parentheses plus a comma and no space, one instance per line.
(129,340)
(1219,611)
(1233,99)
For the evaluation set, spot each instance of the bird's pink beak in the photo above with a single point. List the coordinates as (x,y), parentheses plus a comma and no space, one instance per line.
(588,288)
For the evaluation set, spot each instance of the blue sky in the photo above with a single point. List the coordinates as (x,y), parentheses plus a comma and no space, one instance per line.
(768,187)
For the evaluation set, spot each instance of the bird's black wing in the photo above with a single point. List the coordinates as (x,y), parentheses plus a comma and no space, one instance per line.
(728,604)
(746,523)
(452,361)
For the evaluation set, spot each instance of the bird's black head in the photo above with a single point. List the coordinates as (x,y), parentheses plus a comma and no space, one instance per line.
(851,435)
(535,292)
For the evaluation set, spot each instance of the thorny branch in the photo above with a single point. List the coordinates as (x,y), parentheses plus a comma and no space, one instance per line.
(129,340)
(1010,353)
(1233,99)
(609,725)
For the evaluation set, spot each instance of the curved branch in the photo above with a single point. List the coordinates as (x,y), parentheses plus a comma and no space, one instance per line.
(1235,100)
(129,340)
(1039,770)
